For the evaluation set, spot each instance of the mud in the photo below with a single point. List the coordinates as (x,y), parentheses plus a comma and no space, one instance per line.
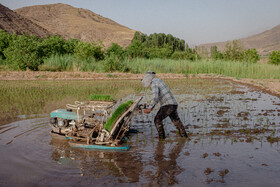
(239,147)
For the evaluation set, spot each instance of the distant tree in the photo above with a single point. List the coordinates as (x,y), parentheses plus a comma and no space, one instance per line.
(202,51)
(5,39)
(215,53)
(135,49)
(163,52)
(159,40)
(185,55)
(52,45)
(274,58)
(87,50)
(70,45)
(233,51)
(115,49)
(140,37)
(23,53)
(251,55)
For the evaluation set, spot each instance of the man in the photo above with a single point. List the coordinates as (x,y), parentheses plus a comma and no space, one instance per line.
(168,104)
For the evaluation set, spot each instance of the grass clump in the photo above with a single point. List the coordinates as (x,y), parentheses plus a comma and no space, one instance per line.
(98,97)
(117,113)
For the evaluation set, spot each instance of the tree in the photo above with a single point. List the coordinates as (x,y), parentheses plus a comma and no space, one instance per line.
(23,52)
(215,53)
(115,49)
(163,52)
(4,42)
(233,51)
(87,50)
(135,49)
(70,46)
(274,57)
(251,55)
(52,45)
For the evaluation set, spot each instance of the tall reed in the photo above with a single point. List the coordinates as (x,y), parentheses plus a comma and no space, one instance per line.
(227,68)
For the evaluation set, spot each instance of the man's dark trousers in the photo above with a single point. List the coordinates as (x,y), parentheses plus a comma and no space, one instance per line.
(171,111)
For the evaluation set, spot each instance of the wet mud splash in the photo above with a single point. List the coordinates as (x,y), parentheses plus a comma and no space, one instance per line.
(234,140)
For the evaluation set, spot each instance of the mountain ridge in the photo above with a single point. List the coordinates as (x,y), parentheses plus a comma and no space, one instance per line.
(265,42)
(78,23)
(12,22)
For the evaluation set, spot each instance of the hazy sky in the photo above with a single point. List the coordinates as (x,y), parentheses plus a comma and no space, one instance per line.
(195,21)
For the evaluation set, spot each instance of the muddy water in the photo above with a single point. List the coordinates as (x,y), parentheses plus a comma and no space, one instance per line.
(234,134)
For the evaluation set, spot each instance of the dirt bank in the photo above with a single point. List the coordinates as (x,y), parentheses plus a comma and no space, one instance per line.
(271,86)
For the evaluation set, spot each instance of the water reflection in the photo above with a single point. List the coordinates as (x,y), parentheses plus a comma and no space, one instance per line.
(126,166)
(167,167)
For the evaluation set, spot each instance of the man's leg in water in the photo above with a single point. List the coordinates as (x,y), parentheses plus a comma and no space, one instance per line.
(178,123)
(163,112)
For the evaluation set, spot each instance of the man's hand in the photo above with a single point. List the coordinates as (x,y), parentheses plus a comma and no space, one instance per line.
(147,111)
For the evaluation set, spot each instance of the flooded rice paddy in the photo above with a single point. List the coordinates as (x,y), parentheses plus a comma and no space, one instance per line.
(234,134)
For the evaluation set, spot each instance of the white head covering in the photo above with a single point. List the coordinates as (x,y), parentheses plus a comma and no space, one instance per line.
(148,77)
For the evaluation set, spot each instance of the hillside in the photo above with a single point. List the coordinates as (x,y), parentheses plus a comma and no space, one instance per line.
(15,23)
(82,24)
(265,42)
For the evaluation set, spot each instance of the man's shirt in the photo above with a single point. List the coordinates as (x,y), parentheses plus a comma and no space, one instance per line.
(161,93)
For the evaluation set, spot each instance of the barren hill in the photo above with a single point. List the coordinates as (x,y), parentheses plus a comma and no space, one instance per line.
(265,42)
(82,24)
(12,22)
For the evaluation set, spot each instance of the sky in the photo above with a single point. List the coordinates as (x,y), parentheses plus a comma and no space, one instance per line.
(195,21)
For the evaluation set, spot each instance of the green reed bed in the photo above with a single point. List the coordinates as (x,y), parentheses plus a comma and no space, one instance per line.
(71,63)
(227,68)
(141,65)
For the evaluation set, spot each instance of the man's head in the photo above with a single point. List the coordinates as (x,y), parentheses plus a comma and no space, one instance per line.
(148,77)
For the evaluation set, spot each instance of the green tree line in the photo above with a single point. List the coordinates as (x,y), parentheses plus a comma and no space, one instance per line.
(22,52)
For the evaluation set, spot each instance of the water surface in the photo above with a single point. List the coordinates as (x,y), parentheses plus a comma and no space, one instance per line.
(233,130)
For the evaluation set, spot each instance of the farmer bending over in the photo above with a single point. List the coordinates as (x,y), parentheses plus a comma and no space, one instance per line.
(168,104)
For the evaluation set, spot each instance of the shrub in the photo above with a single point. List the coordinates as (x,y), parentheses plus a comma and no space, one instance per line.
(135,49)
(274,57)
(251,55)
(216,54)
(180,55)
(51,46)
(23,53)
(115,49)
(87,50)
(164,52)
(233,51)
(4,42)
(70,46)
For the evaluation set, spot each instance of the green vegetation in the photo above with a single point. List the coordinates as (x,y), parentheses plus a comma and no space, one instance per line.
(274,58)
(221,67)
(41,97)
(159,52)
(98,97)
(234,52)
(117,113)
